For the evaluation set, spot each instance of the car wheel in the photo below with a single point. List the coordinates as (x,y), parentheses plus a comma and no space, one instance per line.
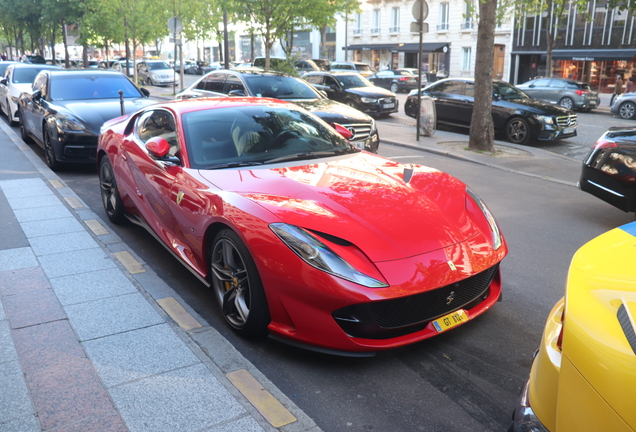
(567,103)
(352,104)
(23,132)
(49,151)
(111,199)
(9,114)
(394,87)
(518,131)
(627,110)
(237,285)
(148,81)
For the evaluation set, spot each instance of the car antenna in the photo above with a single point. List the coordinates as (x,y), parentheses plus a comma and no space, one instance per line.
(121,102)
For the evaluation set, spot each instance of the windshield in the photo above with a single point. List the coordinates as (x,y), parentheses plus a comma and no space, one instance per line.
(353,81)
(25,75)
(508,92)
(78,87)
(256,135)
(280,87)
(158,66)
(363,68)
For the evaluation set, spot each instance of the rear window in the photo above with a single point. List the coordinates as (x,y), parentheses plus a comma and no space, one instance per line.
(158,66)
(25,75)
(74,87)
(363,68)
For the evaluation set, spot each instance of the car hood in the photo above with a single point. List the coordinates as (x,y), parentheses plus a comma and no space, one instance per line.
(95,112)
(331,111)
(361,198)
(376,92)
(600,296)
(16,89)
(537,106)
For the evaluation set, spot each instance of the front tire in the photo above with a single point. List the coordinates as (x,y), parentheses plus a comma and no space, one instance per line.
(113,205)
(237,285)
(49,150)
(518,131)
(567,103)
(627,110)
(394,87)
(23,132)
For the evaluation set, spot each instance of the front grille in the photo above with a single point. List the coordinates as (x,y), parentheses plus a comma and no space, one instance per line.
(567,121)
(362,131)
(387,100)
(392,318)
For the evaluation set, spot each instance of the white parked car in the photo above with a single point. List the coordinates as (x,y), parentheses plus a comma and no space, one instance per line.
(17,78)
(155,73)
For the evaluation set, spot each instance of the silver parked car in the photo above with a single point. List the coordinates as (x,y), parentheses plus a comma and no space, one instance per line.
(155,73)
(625,106)
(570,94)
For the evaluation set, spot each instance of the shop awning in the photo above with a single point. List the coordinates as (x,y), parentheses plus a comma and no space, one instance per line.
(406,47)
(586,54)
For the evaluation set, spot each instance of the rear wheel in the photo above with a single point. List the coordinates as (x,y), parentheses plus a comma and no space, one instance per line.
(110,195)
(567,102)
(518,131)
(627,110)
(237,285)
(23,132)
(49,151)
(394,87)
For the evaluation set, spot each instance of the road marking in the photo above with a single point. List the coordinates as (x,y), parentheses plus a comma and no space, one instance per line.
(132,265)
(273,411)
(178,313)
(56,184)
(97,228)
(73,202)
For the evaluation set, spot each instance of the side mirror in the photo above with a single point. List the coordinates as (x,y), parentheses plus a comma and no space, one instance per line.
(145,91)
(157,147)
(3,81)
(324,94)
(37,95)
(346,133)
(236,93)
(496,97)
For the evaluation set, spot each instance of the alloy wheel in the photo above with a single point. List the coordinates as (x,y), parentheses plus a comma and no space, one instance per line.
(231,282)
(627,110)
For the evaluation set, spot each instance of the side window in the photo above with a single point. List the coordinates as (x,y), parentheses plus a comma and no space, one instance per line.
(540,82)
(314,79)
(158,123)
(331,81)
(39,84)
(384,74)
(557,84)
(233,83)
(212,82)
(470,89)
(450,87)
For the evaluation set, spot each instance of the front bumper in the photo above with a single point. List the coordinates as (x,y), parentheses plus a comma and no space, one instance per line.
(75,147)
(524,418)
(381,107)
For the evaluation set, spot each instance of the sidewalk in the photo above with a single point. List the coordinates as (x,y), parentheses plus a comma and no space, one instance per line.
(91,339)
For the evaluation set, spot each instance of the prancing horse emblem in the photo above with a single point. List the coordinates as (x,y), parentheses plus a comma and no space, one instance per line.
(451,265)
(450,298)
(180,197)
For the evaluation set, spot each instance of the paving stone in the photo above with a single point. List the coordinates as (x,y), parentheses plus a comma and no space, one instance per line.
(20,281)
(95,285)
(33,307)
(51,227)
(41,213)
(67,392)
(244,424)
(20,184)
(33,202)
(14,397)
(75,262)
(7,350)
(112,315)
(27,423)
(46,344)
(109,422)
(187,399)
(12,259)
(55,244)
(137,354)
(30,190)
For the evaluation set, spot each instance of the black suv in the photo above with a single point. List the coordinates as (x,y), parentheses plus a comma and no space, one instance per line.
(356,91)
(516,115)
(278,85)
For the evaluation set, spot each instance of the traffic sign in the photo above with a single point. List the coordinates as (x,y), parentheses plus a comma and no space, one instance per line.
(174,24)
(416,9)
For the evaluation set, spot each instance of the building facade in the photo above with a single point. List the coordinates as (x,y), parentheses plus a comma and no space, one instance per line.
(594,44)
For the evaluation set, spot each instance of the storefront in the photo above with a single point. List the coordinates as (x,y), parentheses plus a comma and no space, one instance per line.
(435,55)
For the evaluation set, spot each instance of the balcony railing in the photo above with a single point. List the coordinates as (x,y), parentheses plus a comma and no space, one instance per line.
(443,26)
(394,29)
(357,32)
(375,31)
(467,25)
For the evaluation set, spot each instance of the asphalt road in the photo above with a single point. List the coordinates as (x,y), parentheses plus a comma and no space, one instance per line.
(465,380)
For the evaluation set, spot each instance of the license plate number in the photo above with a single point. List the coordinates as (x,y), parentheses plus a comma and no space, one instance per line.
(388,105)
(568,130)
(358,145)
(450,320)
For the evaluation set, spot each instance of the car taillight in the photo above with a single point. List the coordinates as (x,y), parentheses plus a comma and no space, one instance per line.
(582,92)
(403,79)
(559,342)
(604,143)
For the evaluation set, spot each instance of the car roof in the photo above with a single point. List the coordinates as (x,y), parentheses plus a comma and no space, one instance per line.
(200,104)
(84,72)
(334,73)
(245,71)
(22,65)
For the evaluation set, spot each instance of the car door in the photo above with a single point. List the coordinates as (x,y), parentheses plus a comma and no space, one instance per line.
(449,100)
(334,89)
(4,90)
(538,89)
(555,91)
(383,79)
(35,109)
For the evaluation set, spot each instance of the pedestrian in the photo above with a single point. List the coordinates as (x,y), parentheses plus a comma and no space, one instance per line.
(630,86)
(3,57)
(618,88)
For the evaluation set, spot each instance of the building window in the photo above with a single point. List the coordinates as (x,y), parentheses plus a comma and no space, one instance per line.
(375,24)
(395,20)
(357,28)
(467,22)
(442,23)
(466,59)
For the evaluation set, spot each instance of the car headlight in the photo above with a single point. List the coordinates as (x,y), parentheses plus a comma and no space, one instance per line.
(316,254)
(369,100)
(494,228)
(545,119)
(68,122)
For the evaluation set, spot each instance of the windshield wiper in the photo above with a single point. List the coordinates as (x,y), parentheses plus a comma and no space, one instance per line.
(233,165)
(308,155)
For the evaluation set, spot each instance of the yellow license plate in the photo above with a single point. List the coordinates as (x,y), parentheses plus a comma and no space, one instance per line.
(450,320)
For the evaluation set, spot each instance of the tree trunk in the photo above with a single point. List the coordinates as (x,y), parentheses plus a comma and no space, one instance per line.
(482,133)
(67,60)
(85,53)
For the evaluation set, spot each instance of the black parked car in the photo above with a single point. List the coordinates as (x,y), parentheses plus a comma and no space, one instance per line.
(195,68)
(68,107)
(395,80)
(259,83)
(354,90)
(609,170)
(516,115)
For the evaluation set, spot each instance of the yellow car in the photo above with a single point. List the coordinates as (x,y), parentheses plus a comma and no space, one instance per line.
(583,377)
